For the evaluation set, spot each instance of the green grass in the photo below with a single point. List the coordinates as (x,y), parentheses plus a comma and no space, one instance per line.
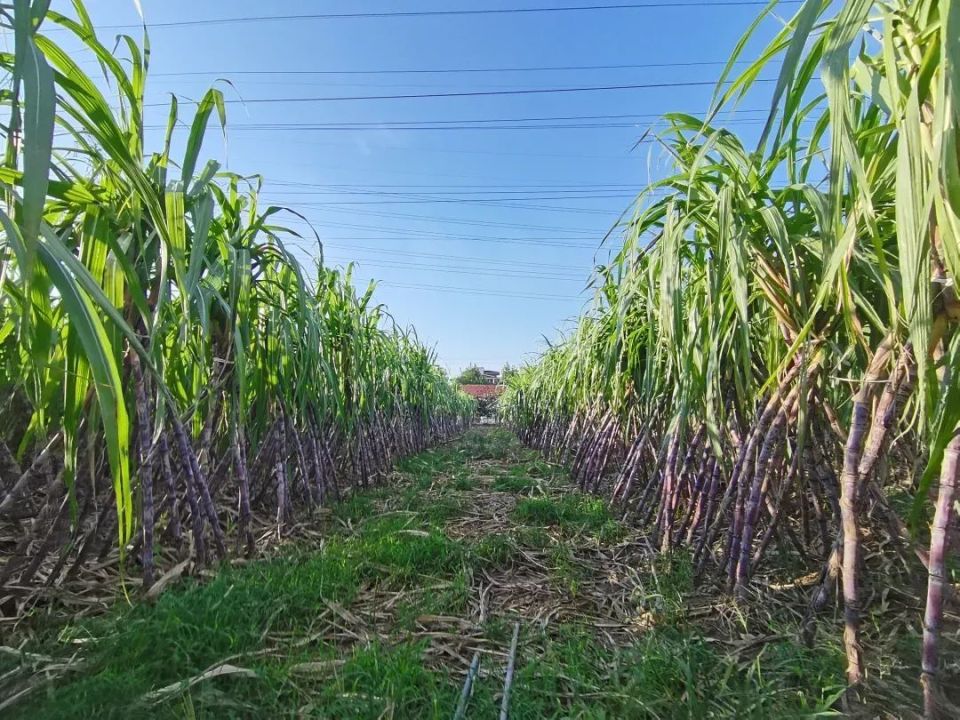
(570,513)
(491,444)
(354,507)
(668,674)
(463,483)
(566,671)
(494,550)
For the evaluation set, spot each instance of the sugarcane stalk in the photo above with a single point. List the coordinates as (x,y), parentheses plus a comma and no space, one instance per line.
(10,470)
(31,474)
(937,583)
(200,482)
(709,496)
(772,445)
(173,500)
(849,493)
(145,469)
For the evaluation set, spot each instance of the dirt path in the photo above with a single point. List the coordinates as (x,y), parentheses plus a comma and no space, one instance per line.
(378,607)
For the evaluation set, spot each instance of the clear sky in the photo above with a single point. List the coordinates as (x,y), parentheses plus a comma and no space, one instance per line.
(482,237)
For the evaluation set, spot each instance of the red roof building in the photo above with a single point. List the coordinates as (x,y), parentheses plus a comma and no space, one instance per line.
(482,392)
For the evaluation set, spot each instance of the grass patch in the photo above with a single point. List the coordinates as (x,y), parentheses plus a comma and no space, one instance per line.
(564,571)
(393,548)
(667,674)
(515,483)
(464,483)
(131,652)
(534,538)
(570,513)
(354,507)
(491,444)
(450,598)
(396,544)
(666,584)
(494,550)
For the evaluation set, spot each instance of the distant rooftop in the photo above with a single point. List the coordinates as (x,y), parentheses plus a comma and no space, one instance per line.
(483,391)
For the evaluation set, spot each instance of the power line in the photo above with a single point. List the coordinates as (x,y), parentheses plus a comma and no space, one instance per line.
(458,151)
(474,93)
(548,195)
(443,128)
(449,13)
(412,235)
(477,121)
(490,272)
(588,193)
(408,234)
(465,121)
(455,221)
(446,71)
(460,258)
(366,189)
(440,125)
(474,291)
(494,189)
(489,180)
(457,200)
(483,202)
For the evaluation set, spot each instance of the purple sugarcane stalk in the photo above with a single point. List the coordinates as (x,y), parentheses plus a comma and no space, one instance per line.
(145,469)
(711,529)
(694,487)
(315,460)
(89,540)
(193,494)
(243,482)
(710,495)
(669,494)
(626,474)
(649,503)
(200,484)
(301,460)
(173,501)
(702,477)
(46,545)
(792,472)
(772,444)
(937,575)
(743,479)
(280,473)
(849,493)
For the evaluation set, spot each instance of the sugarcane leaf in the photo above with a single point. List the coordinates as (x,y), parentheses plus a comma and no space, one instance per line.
(802,24)
(913,205)
(946,417)
(212,99)
(99,355)
(38,120)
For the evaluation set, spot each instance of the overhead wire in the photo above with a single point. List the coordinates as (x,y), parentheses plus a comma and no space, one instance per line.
(410,234)
(489,272)
(446,71)
(378,252)
(453,221)
(471,93)
(450,13)
(475,291)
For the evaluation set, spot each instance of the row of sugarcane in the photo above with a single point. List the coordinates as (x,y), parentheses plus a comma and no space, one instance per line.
(773,351)
(174,382)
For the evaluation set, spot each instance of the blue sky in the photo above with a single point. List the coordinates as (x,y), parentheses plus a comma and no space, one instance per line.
(483,239)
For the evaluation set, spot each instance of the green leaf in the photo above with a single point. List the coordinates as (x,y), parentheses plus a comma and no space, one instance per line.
(99,355)
(39,115)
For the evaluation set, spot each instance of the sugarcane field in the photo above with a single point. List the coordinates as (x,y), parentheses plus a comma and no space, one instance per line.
(258,261)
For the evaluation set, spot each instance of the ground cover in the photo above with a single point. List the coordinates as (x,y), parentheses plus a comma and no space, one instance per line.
(378,612)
